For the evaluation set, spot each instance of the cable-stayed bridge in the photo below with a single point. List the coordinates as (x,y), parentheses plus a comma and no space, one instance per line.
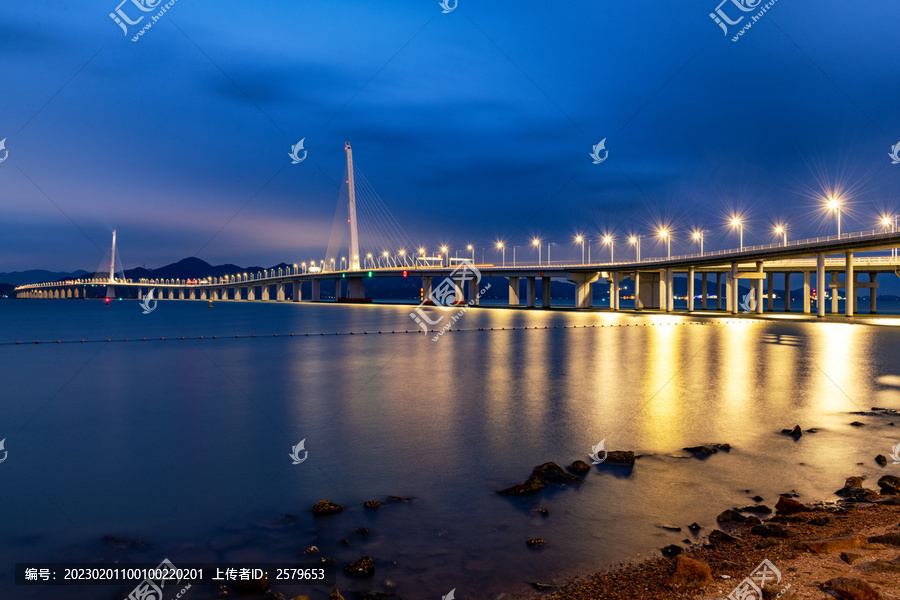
(825,258)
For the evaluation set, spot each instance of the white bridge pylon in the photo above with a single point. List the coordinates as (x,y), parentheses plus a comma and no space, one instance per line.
(351,194)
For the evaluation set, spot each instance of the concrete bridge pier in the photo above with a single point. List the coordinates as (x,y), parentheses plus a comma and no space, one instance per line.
(690,290)
(670,290)
(834,292)
(704,295)
(473,292)
(584,297)
(203,295)
(873,292)
(820,284)
(614,291)
(264,295)
(787,291)
(297,296)
(279,291)
(759,288)
(514,291)
(807,276)
(181,293)
(530,291)
(426,287)
(770,285)
(251,292)
(849,288)
(545,292)
(638,303)
(733,290)
(719,290)
(337,289)
(357,289)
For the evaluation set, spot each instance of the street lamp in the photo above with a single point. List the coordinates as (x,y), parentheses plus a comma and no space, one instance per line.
(537,242)
(368,258)
(580,240)
(502,248)
(698,235)
(609,242)
(782,231)
(636,240)
(332,265)
(444,251)
(403,254)
(303,267)
(835,205)
(472,250)
(343,258)
(891,221)
(736,222)
(665,235)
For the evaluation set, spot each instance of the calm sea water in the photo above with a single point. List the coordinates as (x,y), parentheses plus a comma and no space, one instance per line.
(184,444)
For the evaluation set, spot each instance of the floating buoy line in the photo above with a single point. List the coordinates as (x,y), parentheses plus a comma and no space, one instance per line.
(336,333)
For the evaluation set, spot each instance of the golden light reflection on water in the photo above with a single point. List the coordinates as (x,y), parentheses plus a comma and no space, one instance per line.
(840,352)
(661,384)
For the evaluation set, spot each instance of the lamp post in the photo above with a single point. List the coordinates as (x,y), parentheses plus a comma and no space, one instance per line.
(501,247)
(514,255)
(580,240)
(537,242)
(698,235)
(609,242)
(332,265)
(548,252)
(891,221)
(472,250)
(368,258)
(835,205)
(636,240)
(782,231)
(665,235)
(444,251)
(736,222)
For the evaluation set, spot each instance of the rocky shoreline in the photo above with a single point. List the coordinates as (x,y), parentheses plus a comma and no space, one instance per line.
(849,549)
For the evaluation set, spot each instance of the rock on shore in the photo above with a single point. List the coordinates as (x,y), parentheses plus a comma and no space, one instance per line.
(540,475)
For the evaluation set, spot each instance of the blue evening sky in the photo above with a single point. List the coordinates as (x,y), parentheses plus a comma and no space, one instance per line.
(473,125)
